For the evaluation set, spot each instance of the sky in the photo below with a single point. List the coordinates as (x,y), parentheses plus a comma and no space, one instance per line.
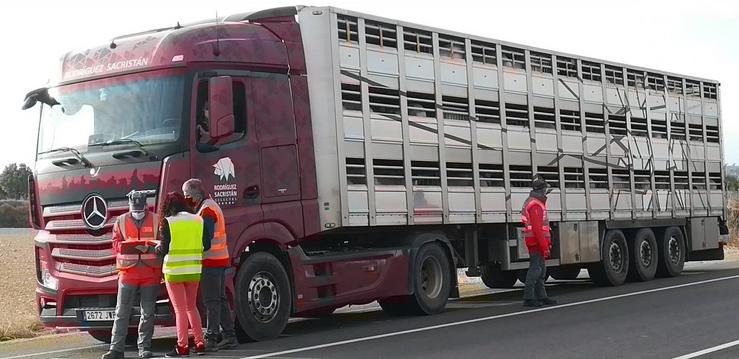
(696,38)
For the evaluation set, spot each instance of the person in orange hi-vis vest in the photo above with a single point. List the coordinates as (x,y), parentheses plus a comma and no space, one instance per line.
(538,242)
(216,260)
(139,270)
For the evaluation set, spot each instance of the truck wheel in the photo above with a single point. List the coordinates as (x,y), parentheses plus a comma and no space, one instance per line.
(643,251)
(494,277)
(564,273)
(671,253)
(263,297)
(431,280)
(612,269)
(104,335)
(431,285)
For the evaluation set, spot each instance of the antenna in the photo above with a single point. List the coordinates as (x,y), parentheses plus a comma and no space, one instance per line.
(217,48)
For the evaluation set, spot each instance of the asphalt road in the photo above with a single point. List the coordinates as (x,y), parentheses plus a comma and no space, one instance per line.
(696,313)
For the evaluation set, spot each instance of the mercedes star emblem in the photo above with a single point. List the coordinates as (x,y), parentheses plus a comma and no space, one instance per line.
(94,212)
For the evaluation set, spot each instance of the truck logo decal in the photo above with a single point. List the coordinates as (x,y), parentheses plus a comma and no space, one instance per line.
(94,212)
(224,169)
(225,193)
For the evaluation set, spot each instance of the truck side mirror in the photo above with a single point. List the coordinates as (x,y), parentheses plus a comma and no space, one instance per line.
(221,113)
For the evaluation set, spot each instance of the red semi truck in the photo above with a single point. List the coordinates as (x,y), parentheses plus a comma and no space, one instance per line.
(359,158)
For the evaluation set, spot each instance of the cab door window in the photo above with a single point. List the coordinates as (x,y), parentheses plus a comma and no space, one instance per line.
(205,142)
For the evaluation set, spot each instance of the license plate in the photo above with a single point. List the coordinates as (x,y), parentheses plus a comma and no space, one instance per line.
(99,315)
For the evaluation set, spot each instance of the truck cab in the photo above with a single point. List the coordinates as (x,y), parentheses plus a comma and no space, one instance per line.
(221,101)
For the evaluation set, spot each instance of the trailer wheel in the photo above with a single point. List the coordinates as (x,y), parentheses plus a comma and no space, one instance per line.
(564,273)
(263,297)
(671,253)
(612,269)
(494,277)
(431,285)
(644,254)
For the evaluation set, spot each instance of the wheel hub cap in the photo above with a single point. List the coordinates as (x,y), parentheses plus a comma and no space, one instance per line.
(645,254)
(431,277)
(263,297)
(673,250)
(615,257)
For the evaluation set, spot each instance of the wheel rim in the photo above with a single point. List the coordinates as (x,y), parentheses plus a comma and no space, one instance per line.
(263,297)
(673,250)
(645,254)
(431,277)
(615,256)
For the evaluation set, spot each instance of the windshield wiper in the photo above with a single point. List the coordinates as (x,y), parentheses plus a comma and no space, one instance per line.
(74,151)
(123,141)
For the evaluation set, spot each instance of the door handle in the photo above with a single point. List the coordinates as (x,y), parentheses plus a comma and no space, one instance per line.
(251,192)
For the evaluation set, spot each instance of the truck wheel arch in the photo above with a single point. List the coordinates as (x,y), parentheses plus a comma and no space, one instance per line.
(270,237)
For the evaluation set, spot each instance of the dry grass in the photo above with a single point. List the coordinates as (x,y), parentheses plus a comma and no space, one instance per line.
(733,223)
(18,317)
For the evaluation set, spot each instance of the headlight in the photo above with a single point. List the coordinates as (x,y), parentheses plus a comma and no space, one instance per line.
(48,280)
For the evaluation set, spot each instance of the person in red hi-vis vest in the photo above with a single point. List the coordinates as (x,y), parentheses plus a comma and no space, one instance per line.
(139,270)
(216,261)
(538,242)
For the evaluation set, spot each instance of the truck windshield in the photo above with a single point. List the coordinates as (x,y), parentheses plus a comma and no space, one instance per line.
(141,108)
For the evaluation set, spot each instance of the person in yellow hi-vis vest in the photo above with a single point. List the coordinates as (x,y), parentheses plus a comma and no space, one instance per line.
(215,263)
(181,234)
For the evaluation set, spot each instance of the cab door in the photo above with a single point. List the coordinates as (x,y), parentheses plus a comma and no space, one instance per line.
(230,168)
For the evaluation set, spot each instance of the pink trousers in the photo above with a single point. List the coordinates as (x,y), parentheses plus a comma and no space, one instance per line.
(184,297)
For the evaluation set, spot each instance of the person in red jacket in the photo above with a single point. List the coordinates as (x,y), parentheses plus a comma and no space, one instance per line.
(139,270)
(537,238)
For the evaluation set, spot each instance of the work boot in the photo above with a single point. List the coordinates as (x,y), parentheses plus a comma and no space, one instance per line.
(145,353)
(178,352)
(548,301)
(228,342)
(211,345)
(531,303)
(113,355)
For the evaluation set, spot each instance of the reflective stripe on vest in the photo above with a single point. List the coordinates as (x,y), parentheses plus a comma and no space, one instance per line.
(183,263)
(130,257)
(530,202)
(218,246)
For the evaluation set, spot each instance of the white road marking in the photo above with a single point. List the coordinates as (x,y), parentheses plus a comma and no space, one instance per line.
(483,319)
(709,350)
(56,351)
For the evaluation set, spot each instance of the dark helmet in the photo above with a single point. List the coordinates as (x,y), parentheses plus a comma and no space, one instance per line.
(538,182)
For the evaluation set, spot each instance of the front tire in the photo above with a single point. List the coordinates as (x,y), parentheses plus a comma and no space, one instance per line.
(644,256)
(612,269)
(263,297)
(671,253)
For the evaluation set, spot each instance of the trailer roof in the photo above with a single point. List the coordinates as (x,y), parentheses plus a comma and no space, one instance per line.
(502,42)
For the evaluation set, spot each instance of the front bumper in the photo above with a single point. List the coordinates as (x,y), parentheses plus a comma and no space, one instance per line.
(65,309)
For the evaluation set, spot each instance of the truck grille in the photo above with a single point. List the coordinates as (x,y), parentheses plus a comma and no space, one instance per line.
(73,249)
